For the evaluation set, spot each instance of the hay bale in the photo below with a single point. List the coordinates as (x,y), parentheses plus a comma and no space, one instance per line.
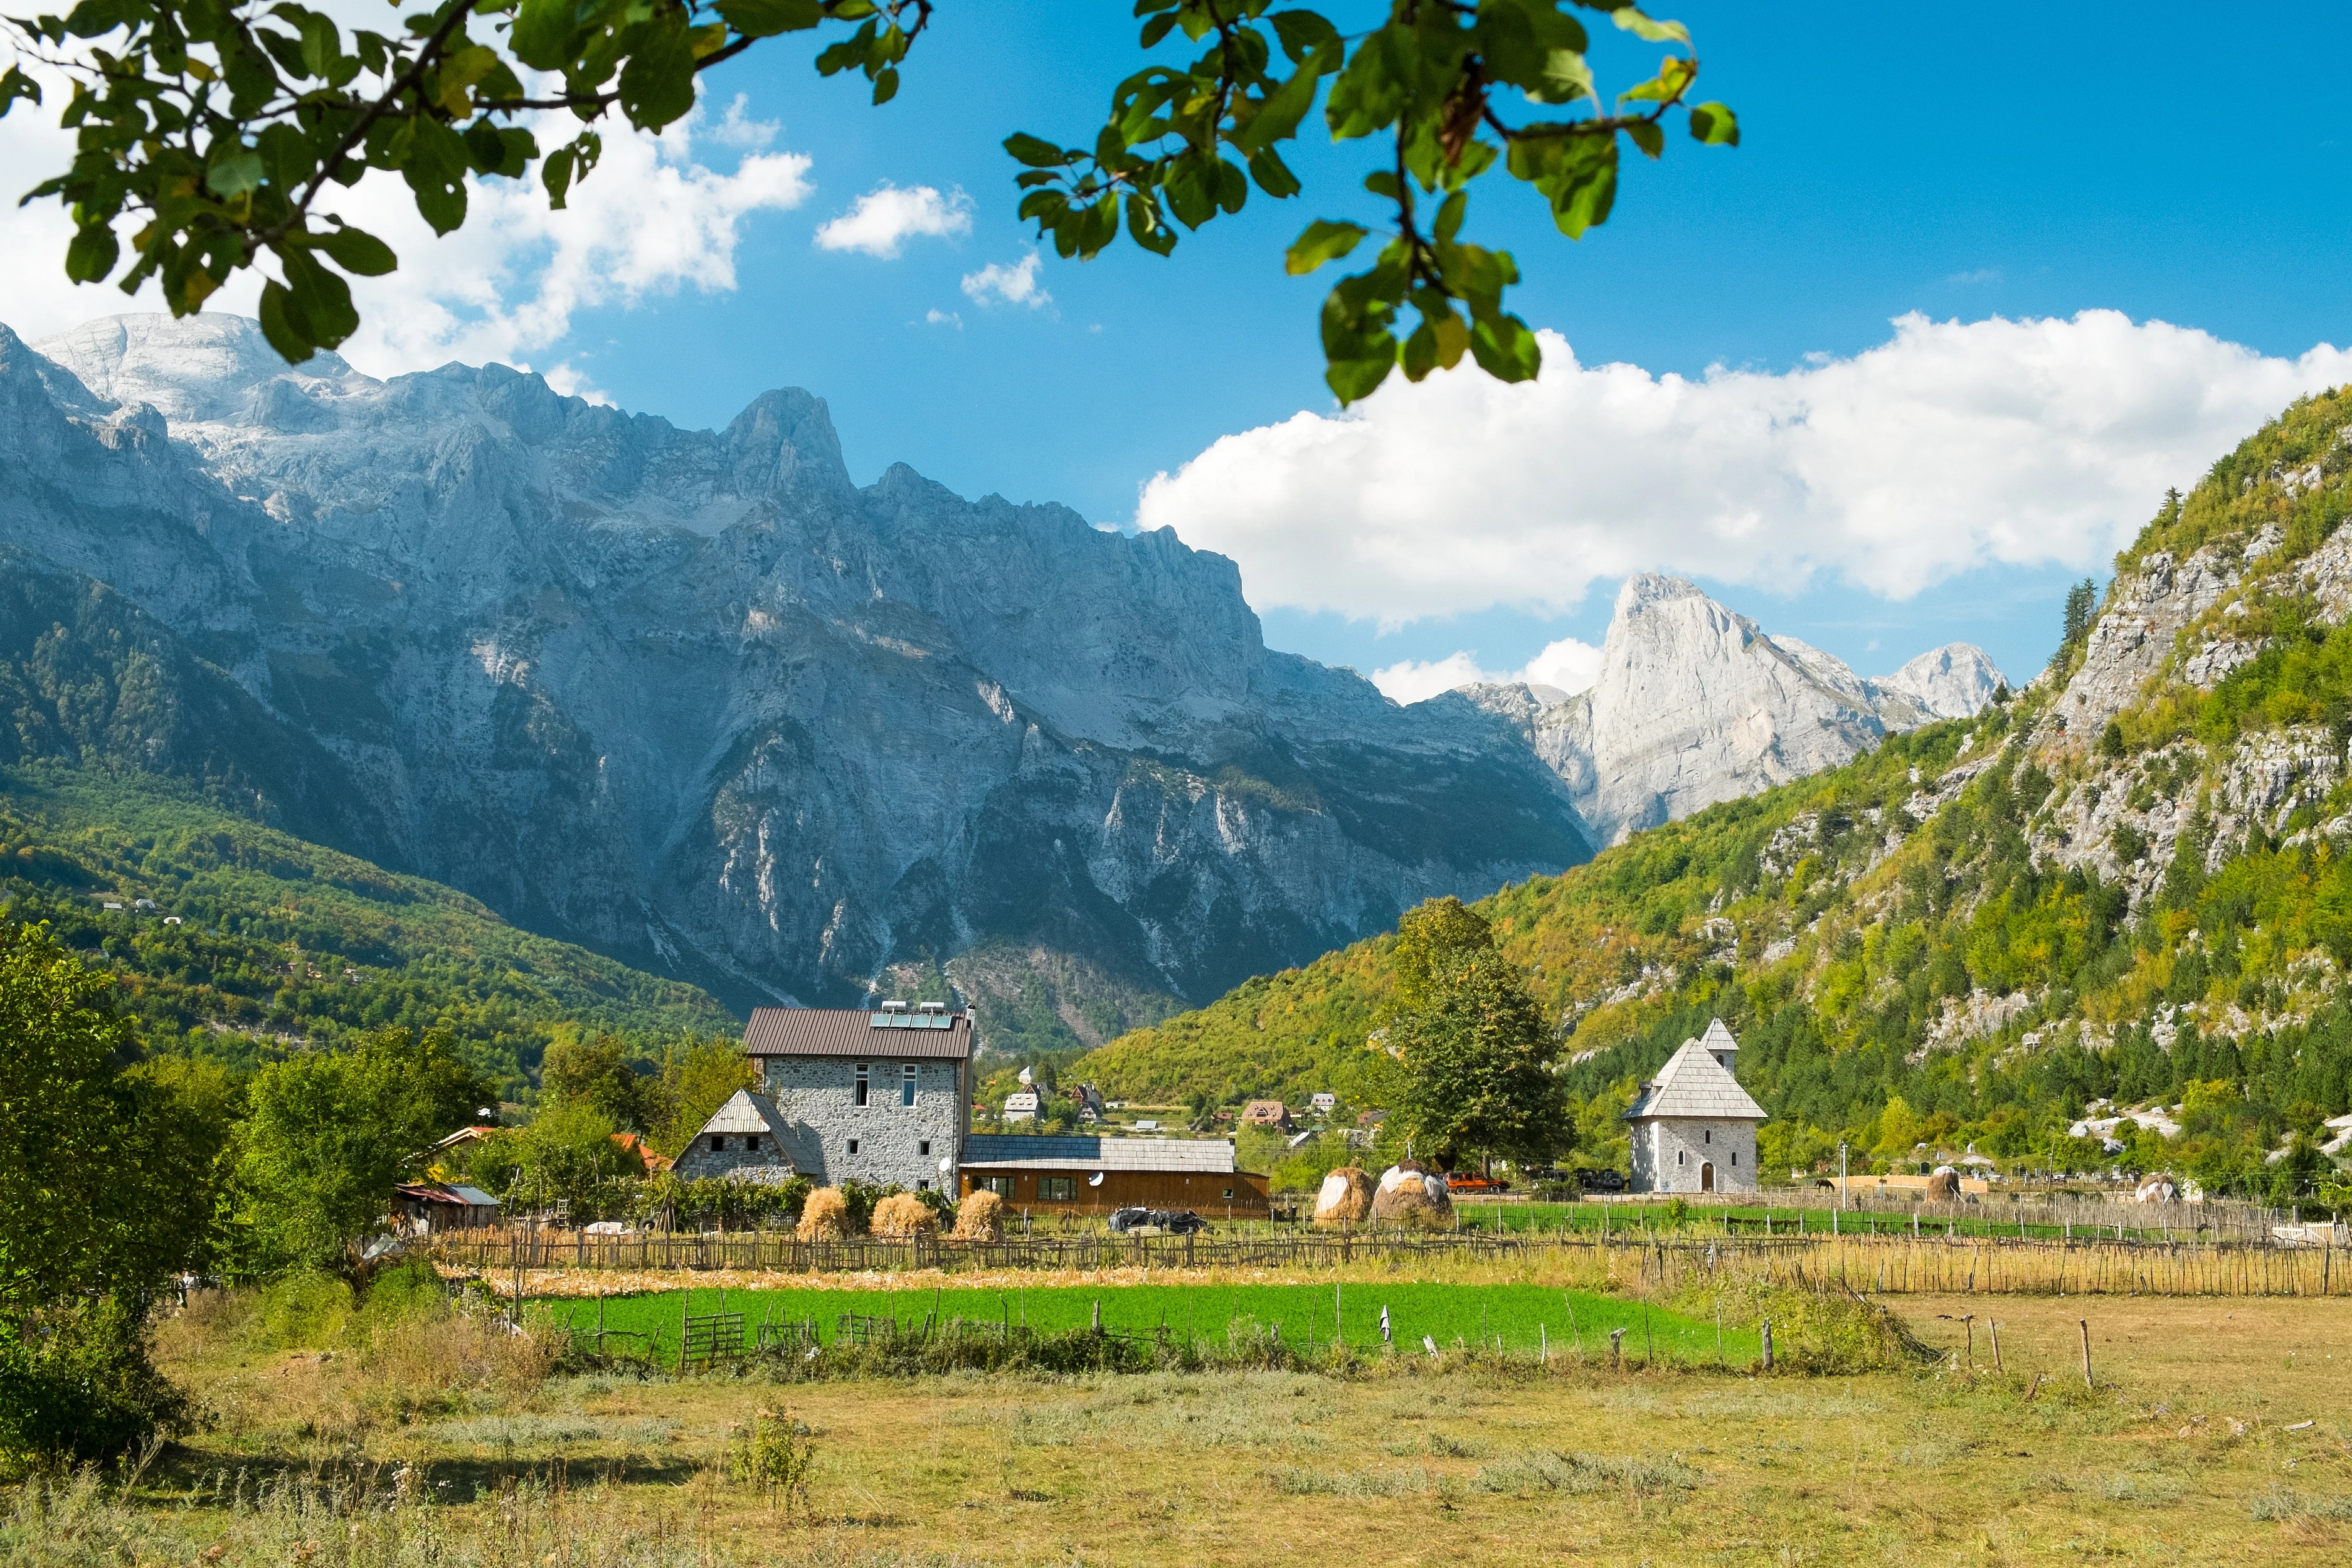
(981,1217)
(2157,1189)
(825,1216)
(1346,1198)
(903,1214)
(1944,1186)
(1411,1195)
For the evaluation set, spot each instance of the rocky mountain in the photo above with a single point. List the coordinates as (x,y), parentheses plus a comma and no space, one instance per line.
(1695,704)
(695,700)
(2128,885)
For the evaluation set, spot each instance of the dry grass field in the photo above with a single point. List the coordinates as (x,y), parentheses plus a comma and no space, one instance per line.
(2215,1435)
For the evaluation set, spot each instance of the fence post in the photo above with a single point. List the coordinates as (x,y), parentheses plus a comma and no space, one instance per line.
(1768,1344)
(2086,1323)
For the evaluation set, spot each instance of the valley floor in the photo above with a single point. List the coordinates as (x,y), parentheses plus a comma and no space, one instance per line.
(2215,1435)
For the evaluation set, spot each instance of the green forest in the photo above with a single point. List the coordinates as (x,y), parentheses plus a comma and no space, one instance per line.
(1897,942)
(239,942)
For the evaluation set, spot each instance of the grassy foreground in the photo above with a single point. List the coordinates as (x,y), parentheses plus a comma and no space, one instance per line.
(2214,1435)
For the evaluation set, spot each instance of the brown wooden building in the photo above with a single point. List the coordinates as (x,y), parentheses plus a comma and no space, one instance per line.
(1096,1175)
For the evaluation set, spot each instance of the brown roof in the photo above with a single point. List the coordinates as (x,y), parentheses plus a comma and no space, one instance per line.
(855,1031)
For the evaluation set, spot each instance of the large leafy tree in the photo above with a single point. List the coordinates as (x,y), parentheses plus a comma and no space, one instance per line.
(213,136)
(327,1136)
(1467,1052)
(594,1073)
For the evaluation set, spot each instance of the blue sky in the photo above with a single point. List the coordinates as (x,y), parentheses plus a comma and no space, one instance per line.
(2169,162)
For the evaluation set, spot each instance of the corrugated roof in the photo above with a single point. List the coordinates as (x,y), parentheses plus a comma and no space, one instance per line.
(855,1032)
(1693,1083)
(1214,1156)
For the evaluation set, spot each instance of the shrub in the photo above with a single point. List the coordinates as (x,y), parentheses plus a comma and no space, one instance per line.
(304,1312)
(776,1455)
(904,1214)
(77,1384)
(825,1217)
(981,1217)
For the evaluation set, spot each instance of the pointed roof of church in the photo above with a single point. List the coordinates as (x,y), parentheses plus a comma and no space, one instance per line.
(1694,1083)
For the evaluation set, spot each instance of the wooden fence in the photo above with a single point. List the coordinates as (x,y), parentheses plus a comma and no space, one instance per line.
(1891,1265)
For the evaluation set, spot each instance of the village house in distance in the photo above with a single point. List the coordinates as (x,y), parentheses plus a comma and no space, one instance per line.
(1693,1127)
(884,1095)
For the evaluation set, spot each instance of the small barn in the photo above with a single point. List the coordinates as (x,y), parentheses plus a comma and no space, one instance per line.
(1087,1175)
(426,1208)
(747,1138)
(1693,1128)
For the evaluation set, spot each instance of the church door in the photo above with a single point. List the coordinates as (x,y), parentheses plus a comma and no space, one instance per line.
(1706,1177)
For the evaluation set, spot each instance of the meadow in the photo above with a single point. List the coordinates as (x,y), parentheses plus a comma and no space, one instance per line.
(1522,1319)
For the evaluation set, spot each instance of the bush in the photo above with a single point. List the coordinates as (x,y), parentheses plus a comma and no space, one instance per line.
(78,1383)
(825,1217)
(904,1214)
(304,1312)
(776,1455)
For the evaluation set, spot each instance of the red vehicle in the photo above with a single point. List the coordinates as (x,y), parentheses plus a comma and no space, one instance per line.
(1477,1185)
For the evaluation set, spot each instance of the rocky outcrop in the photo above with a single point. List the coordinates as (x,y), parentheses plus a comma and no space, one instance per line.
(1695,704)
(696,698)
(2141,624)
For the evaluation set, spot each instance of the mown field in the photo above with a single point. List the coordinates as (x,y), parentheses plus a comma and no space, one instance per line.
(1596,1216)
(2215,1435)
(1521,1320)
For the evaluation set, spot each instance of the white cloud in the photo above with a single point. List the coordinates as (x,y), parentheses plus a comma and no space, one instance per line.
(738,129)
(653,218)
(1568,665)
(1013,285)
(938,318)
(1950,446)
(886,217)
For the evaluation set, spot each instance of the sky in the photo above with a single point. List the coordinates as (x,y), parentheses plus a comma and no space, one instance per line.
(1977,286)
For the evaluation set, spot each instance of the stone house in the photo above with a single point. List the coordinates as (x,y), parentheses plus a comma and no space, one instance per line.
(848,1094)
(1693,1128)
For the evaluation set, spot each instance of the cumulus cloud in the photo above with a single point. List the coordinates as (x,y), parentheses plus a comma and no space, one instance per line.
(938,318)
(882,220)
(1568,666)
(1952,446)
(997,283)
(653,218)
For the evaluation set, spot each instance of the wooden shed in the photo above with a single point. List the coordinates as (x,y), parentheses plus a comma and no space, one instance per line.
(1095,1175)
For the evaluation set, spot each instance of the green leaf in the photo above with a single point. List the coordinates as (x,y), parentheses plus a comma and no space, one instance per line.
(1273,175)
(1323,241)
(234,173)
(356,251)
(319,304)
(1631,19)
(1277,118)
(1035,151)
(15,85)
(885,85)
(278,327)
(657,84)
(432,158)
(91,254)
(543,33)
(1305,33)
(1647,137)
(766,18)
(1355,379)
(1715,126)
(1144,225)
(1505,348)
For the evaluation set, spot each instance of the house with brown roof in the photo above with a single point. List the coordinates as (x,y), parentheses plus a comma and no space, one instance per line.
(1265,1113)
(1089,1175)
(877,1095)
(1693,1128)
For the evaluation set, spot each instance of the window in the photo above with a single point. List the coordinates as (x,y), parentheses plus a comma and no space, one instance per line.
(923,1184)
(718,1142)
(1000,1185)
(1057,1189)
(861,1083)
(751,1144)
(1734,1156)
(853,1145)
(1708,1136)
(1682,1156)
(923,1148)
(1229,1192)
(907,1085)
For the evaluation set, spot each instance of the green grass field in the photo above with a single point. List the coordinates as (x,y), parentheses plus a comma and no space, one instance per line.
(1516,1319)
(1623,1218)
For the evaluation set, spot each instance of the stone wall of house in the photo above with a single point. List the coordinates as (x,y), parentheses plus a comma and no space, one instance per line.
(895,1142)
(699,1161)
(1671,1153)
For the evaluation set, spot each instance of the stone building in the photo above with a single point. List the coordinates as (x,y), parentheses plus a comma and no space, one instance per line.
(848,1094)
(1693,1128)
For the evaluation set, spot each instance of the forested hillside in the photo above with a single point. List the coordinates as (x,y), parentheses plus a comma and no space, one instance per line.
(278,942)
(2130,881)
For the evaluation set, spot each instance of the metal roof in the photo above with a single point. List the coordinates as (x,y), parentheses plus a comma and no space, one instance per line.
(1214,1156)
(1694,1083)
(873,1036)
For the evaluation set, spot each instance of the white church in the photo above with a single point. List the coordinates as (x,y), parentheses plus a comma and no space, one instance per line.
(1693,1128)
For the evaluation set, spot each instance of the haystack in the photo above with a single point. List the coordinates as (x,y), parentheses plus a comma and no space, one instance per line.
(825,1216)
(1944,1186)
(1346,1198)
(903,1214)
(1411,1195)
(981,1217)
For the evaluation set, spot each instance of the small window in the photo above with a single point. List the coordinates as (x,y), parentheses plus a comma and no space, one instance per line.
(861,1083)
(923,1184)
(923,1148)
(1229,1192)
(1057,1189)
(1734,1156)
(853,1145)
(751,1144)
(907,1085)
(1682,1156)
(1000,1185)
(718,1142)
(1708,1136)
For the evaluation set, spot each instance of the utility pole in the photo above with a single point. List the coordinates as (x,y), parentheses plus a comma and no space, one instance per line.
(1841,1173)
